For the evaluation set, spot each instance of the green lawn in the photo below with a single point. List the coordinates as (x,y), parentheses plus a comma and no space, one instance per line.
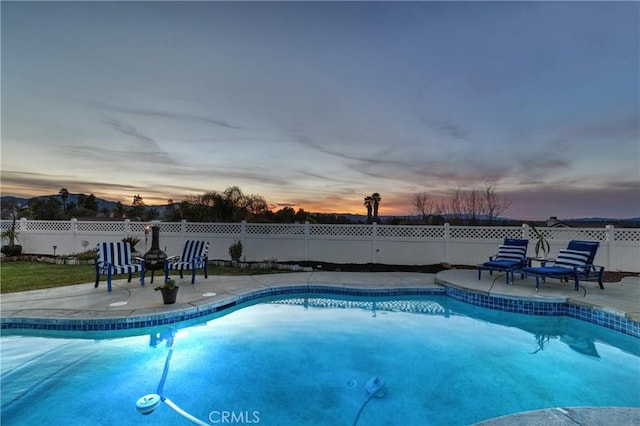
(27,275)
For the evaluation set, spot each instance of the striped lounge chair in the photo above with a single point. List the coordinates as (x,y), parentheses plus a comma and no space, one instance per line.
(115,259)
(194,256)
(576,262)
(512,255)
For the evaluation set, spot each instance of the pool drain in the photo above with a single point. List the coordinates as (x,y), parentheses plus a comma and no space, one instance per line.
(351,383)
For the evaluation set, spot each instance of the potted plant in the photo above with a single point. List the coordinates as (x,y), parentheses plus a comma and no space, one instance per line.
(169,291)
(541,243)
(12,249)
(235,251)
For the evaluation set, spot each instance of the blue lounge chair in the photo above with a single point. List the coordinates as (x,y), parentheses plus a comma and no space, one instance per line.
(512,255)
(193,257)
(576,262)
(114,259)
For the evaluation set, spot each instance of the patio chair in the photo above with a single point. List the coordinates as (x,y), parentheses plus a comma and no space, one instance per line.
(115,259)
(193,257)
(512,255)
(576,262)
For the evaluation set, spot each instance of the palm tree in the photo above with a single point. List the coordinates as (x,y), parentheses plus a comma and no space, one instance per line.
(64,195)
(376,198)
(368,202)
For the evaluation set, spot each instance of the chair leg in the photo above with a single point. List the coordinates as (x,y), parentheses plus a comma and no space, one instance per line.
(205,269)
(537,283)
(109,280)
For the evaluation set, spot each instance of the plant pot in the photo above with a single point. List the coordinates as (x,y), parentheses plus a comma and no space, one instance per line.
(169,295)
(12,250)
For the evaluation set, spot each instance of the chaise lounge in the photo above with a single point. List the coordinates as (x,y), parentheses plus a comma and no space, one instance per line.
(576,262)
(512,255)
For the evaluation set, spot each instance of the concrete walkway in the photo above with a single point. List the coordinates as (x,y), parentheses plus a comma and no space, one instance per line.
(130,300)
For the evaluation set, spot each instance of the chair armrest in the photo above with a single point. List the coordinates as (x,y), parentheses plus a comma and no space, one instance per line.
(139,259)
(172,258)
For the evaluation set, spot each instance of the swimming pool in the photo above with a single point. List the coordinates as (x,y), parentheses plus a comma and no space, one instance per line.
(308,359)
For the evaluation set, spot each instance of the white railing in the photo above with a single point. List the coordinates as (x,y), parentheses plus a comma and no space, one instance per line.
(390,244)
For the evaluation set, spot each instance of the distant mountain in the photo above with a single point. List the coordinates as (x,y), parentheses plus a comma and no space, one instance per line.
(73,198)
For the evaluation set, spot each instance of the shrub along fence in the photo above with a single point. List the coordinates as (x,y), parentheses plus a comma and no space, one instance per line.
(358,243)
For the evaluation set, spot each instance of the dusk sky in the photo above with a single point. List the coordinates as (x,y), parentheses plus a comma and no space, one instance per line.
(317,105)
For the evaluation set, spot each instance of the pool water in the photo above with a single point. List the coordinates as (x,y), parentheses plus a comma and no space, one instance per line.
(306,361)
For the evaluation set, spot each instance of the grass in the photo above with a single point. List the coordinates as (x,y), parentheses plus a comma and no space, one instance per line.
(28,275)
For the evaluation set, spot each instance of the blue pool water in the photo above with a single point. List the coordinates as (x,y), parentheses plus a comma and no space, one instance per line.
(306,361)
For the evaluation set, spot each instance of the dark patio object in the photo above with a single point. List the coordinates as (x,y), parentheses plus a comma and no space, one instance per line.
(154,258)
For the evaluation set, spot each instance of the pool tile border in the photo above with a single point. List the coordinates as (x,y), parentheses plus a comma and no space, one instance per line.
(594,315)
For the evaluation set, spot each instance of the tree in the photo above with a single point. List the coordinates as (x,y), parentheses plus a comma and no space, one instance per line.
(120,209)
(475,205)
(495,205)
(368,203)
(425,206)
(45,209)
(376,198)
(137,208)
(64,195)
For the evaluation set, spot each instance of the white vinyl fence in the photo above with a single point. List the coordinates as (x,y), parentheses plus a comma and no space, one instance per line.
(390,244)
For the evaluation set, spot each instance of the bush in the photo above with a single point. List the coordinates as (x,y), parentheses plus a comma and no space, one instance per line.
(87,255)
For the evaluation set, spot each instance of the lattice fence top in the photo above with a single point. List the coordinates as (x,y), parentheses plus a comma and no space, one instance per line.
(46,225)
(233,229)
(275,229)
(484,232)
(390,232)
(410,232)
(568,234)
(101,227)
(626,235)
(341,231)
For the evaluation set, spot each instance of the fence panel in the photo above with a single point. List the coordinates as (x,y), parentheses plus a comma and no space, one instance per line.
(357,243)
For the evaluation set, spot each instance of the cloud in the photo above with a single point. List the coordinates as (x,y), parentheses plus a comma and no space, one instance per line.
(171,115)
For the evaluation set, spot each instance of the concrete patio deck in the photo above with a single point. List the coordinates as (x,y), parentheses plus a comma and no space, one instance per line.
(131,300)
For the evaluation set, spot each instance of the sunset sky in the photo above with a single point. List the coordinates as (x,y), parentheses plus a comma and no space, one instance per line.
(317,105)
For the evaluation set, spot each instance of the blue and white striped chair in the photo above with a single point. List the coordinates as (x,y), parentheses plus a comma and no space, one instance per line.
(115,259)
(194,256)
(576,262)
(511,255)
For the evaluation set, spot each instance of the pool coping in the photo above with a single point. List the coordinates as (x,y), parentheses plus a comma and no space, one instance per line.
(454,284)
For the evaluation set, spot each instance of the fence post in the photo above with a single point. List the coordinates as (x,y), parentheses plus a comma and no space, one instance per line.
(127,228)
(374,241)
(243,231)
(526,234)
(74,233)
(307,233)
(447,238)
(183,230)
(609,240)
